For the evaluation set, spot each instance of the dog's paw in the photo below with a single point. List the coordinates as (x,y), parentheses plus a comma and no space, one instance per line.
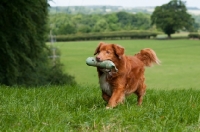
(108,108)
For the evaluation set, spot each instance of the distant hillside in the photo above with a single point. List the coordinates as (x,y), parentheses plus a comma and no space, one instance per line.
(94,9)
(109,9)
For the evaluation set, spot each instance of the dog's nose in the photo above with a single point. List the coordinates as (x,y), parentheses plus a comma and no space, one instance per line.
(98,58)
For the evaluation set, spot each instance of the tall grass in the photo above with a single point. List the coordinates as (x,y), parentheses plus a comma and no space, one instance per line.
(80,108)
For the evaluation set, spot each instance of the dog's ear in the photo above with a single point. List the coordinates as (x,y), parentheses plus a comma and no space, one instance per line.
(119,51)
(98,47)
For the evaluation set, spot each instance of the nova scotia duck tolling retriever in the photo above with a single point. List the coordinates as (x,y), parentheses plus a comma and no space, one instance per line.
(129,78)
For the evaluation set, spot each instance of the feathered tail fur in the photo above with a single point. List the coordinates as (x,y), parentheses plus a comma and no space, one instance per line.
(148,57)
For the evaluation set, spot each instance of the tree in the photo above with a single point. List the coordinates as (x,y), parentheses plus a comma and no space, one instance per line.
(68,28)
(124,19)
(22,38)
(101,26)
(112,21)
(142,21)
(23,51)
(172,17)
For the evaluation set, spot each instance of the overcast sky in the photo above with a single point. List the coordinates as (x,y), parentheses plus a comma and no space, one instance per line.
(125,3)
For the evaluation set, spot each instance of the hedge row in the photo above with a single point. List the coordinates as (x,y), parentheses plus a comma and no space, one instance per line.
(194,35)
(107,36)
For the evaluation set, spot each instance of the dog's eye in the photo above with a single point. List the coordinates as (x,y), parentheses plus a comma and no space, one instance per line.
(108,52)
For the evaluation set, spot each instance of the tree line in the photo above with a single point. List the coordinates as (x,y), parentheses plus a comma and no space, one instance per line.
(168,18)
(63,24)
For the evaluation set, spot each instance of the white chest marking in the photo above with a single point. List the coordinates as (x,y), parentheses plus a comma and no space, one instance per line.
(105,86)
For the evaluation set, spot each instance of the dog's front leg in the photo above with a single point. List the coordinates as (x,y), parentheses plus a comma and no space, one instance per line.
(116,98)
(105,96)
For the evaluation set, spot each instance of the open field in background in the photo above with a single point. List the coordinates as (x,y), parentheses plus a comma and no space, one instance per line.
(180,67)
(181,35)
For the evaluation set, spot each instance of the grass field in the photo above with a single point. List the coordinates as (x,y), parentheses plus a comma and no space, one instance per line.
(171,103)
(81,109)
(179,68)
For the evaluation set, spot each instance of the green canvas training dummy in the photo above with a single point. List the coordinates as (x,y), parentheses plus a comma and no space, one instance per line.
(107,64)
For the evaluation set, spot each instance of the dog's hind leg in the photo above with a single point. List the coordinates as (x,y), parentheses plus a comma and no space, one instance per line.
(140,93)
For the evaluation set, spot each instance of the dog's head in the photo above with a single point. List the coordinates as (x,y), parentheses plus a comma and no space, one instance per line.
(110,52)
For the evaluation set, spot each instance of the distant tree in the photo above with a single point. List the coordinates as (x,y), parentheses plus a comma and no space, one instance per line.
(89,20)
(101,26)
(67,28)
(111,18)
(124,18)
(112,21)
(84,28)
(130,21)
(172,17)
(142,21)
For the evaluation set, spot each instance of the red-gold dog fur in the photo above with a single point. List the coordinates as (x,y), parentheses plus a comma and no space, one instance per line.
(130,76)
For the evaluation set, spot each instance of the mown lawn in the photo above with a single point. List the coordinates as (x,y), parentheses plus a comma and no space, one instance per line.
(171,104)
(80,108)
(180,59)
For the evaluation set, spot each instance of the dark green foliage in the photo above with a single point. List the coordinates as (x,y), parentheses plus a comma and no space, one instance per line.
(22,40)
(194,35)
(56,76)
(63,24)
(172,17)
(23,56)
(124,18)
(67,29)
(107,36)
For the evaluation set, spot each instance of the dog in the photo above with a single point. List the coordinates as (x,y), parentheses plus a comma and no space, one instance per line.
(129,78)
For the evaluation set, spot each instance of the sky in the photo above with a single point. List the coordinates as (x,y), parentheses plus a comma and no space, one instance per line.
(124,3)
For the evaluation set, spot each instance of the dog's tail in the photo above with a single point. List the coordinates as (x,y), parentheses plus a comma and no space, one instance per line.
(148,57)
